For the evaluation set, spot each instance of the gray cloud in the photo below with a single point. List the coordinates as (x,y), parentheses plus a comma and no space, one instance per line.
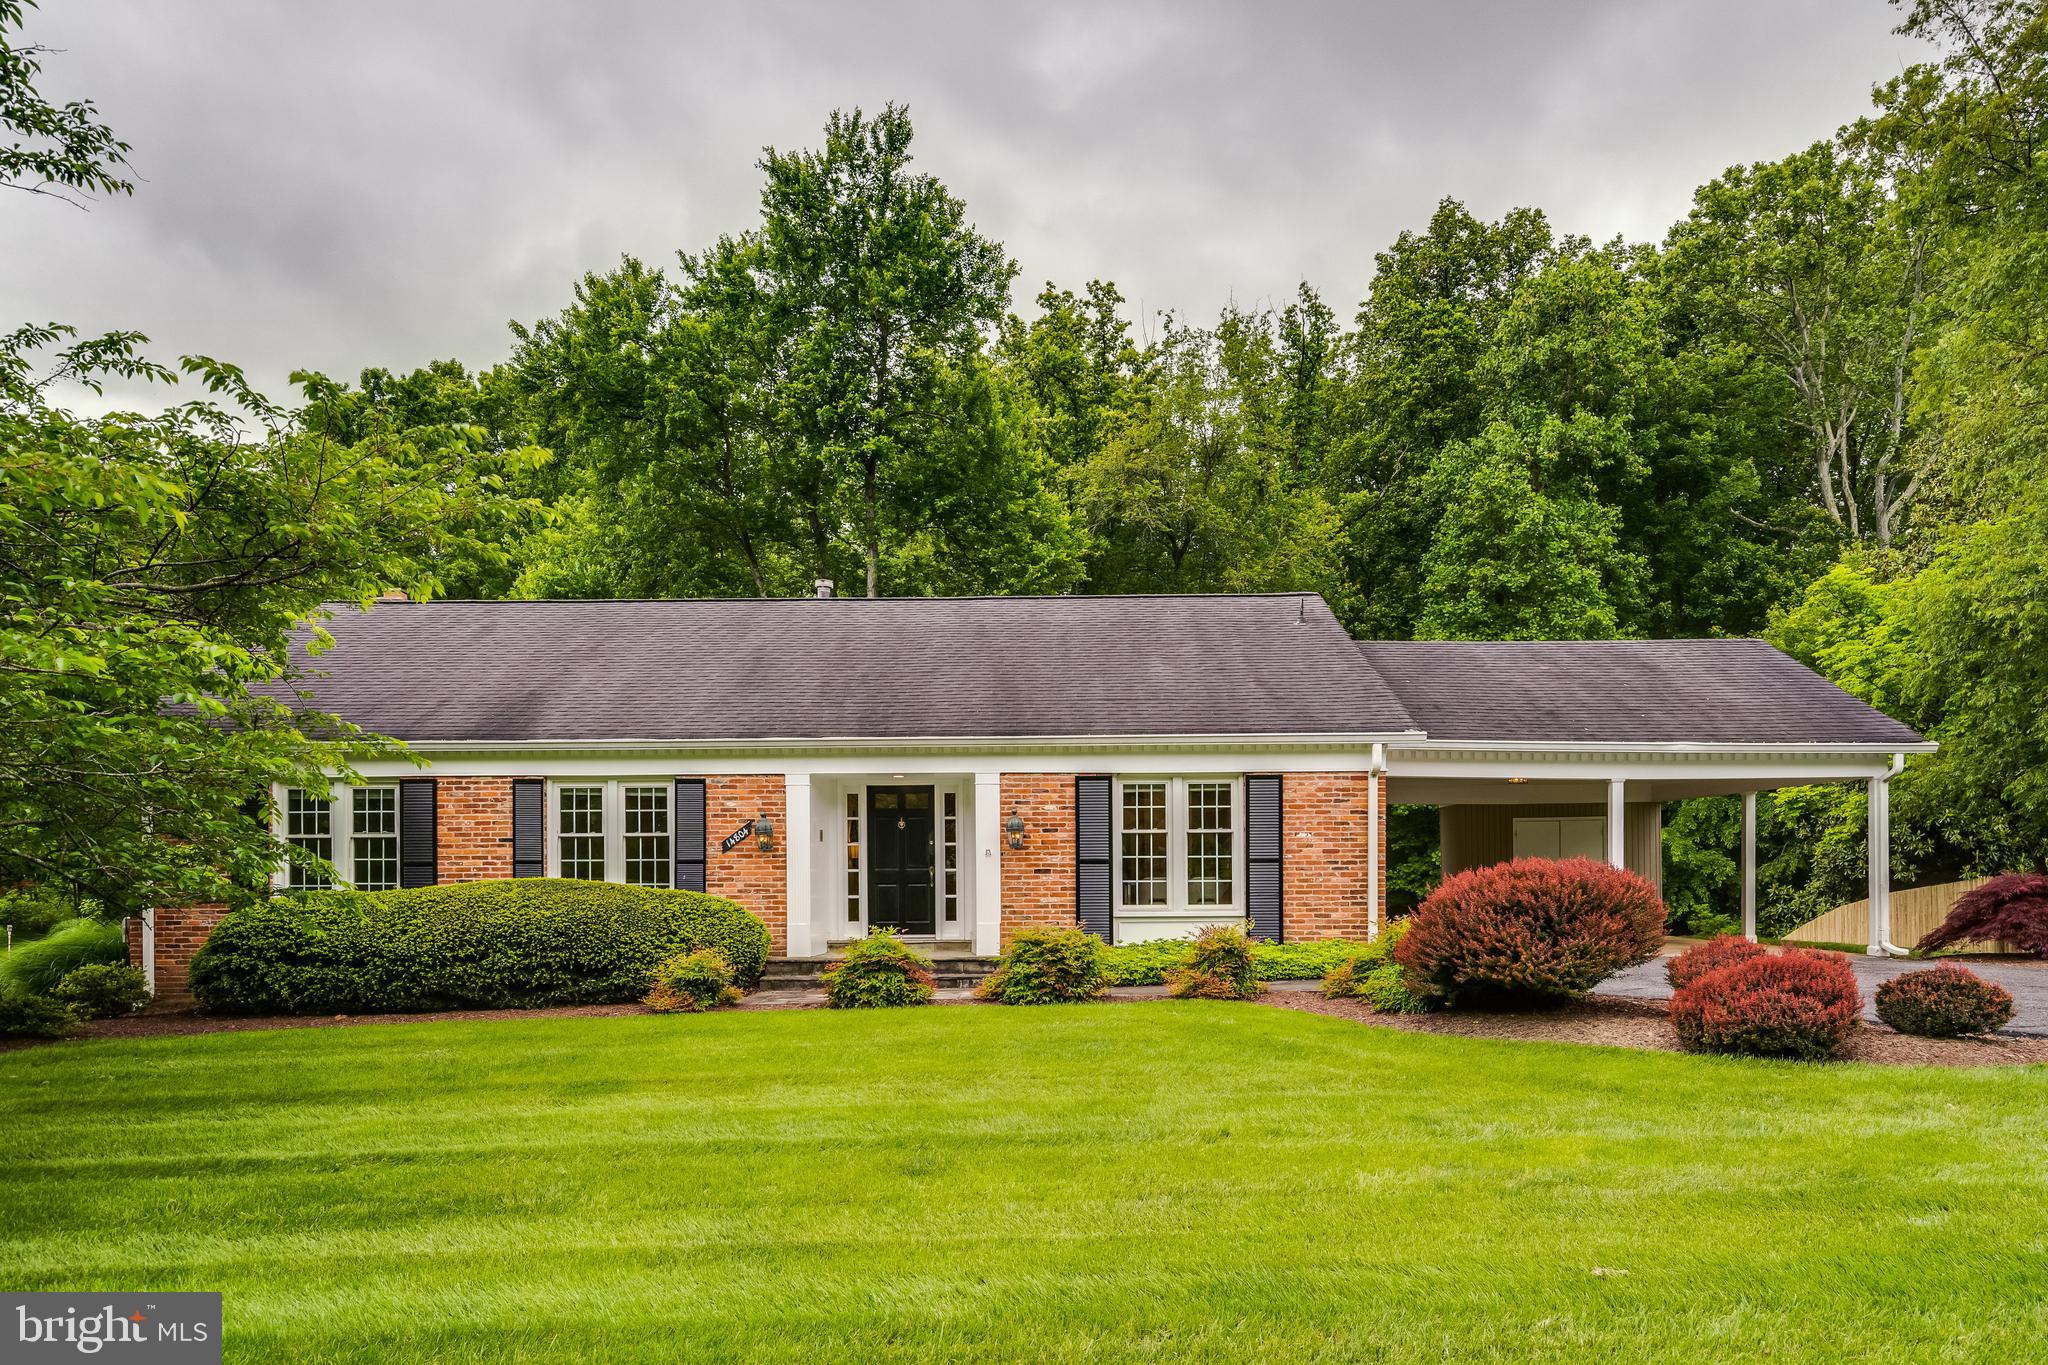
(387,183)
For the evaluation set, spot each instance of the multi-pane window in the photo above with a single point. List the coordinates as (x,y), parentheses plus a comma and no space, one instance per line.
(579,839)
(648,860)
(1212,836)
(1144,838)
(373,838)
(949,856)
(1177,844)
(308,824)
(853,857)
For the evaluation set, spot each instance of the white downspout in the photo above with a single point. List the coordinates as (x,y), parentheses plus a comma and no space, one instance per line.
(1373,815)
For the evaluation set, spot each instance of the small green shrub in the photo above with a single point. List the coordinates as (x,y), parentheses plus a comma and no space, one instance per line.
(880,971)
(35,968)
(33,912)
(1387,990)
(1147,963)
(1950,1001)
(34,1016)
(1370,974)
(523,943)
(1219,968)
(1048,967)
(690,983)
(103,990)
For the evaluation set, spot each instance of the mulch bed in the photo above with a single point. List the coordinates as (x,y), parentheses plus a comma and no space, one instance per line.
(1613,1022)
(1606,1021)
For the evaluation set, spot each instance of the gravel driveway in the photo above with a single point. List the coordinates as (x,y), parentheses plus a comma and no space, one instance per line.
(2028,982)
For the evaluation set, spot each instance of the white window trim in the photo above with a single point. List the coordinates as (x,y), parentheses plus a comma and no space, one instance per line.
(1177,905)
(612,810)
(341,828)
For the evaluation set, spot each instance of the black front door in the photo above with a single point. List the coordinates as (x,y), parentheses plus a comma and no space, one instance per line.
(900,860)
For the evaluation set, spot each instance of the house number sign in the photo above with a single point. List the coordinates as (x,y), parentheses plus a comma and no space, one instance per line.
(737,837)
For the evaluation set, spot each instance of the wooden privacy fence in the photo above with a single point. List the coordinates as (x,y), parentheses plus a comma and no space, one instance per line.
(1915,912)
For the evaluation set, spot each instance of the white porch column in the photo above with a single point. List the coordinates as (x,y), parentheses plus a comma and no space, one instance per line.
(1749,866)
(1617,822)
(798,850)
(1880,841)
(149,949)
(987,868)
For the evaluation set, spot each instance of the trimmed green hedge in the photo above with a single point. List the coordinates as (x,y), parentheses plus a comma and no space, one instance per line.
(473,945)
(1146,964)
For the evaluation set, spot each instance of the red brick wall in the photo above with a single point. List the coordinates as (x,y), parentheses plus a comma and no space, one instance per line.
(472,828)
(473,842)
(1038,879)
(1324,830)
(1323,818)
(178,935)
(754,879)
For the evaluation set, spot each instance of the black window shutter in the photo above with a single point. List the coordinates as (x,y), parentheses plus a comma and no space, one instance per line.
(689,833)
(416,865)
(1262,847)
(1092,870)
(529,827)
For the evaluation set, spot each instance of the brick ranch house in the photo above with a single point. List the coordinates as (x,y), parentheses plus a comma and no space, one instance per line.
(959,769)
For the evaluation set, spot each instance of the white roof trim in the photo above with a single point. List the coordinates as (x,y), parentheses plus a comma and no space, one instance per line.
(1478,748)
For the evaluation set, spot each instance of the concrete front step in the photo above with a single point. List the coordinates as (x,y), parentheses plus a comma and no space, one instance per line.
(796,973)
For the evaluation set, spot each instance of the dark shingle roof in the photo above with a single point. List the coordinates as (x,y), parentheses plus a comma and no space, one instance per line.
(805,668)
(1624,691)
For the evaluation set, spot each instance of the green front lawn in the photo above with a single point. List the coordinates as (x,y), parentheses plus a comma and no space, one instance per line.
(1162,1181)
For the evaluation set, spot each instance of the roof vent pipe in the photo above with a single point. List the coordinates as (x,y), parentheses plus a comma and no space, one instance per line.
(824,586)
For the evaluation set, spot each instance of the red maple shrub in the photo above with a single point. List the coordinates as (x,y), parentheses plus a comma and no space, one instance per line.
(1531,932)
(1950,1001)
(1797,1003)
(1723,951)
(2010,909)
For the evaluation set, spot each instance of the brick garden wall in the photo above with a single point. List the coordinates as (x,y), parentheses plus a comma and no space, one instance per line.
(1038,879)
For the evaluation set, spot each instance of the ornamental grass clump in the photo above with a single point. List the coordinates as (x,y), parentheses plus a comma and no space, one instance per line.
(1950,1001)
(1048,967)
(1694,963)
(880,971)
(1798,1004)
(38,965)
(2012,909)
(1220,968)
(690,983)
(1533,932)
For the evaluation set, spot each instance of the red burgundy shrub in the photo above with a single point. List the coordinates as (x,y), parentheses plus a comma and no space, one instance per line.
(1694,963)
(2011,909)
(1796,1003)
(1950,1001)
(1530,932)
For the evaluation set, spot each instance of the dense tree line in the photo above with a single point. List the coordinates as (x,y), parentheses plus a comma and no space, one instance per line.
(1809,412)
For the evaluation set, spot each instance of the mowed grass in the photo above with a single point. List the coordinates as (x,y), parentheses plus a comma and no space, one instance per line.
(1126,1182)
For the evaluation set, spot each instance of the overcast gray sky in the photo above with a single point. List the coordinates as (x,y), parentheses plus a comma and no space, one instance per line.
(333,186)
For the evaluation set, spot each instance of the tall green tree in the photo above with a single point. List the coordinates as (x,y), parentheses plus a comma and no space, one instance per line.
(60,150)
(881,291)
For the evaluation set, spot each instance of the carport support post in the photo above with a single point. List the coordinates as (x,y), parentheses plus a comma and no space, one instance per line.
(1749,866)
(1879,837)
(1617,823)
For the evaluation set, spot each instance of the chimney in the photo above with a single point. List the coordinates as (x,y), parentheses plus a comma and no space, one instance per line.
(393,595)
(824,587)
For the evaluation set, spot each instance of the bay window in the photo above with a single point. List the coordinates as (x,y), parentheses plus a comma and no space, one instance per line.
(1178,845)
